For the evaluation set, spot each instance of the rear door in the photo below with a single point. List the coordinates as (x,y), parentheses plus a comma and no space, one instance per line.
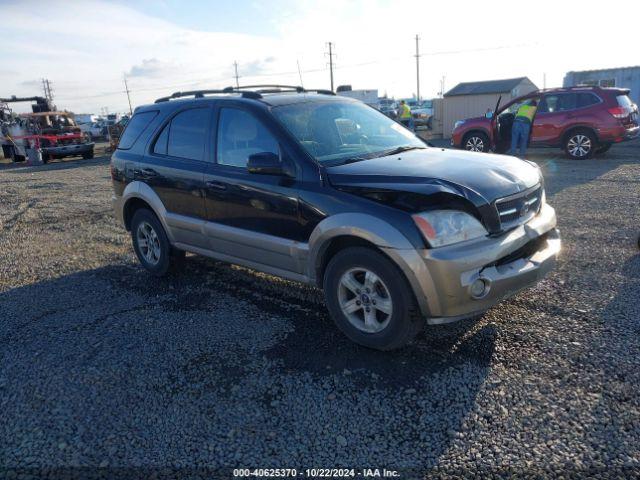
(174,169)
(251,216)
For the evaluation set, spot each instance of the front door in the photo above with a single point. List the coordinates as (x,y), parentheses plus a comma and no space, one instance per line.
(551,118)
(251,216)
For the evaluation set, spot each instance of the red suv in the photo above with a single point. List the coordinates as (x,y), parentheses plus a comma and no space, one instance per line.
(580,120)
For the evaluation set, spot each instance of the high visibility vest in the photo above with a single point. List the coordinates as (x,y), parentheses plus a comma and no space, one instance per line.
(406,111)
(526,112)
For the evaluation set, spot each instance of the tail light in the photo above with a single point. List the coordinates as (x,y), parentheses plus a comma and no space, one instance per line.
(619,112)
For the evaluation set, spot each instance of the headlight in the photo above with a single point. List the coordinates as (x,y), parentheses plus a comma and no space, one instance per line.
(458,123)
(446,227)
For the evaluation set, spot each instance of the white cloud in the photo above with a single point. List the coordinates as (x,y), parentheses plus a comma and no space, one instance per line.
(85,48)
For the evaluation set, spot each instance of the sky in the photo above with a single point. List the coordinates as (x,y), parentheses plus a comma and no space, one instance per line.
(87,48)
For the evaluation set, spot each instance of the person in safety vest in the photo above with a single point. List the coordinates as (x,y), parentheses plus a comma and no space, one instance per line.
(522,126)
(405,115)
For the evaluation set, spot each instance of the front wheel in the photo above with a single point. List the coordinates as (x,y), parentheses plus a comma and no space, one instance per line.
(370,300)
(476,142)
(580,144)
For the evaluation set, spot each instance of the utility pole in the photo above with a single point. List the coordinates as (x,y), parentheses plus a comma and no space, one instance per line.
(417,68)
(331,63)
(442,86)
(235,66)
(126,89)
(544,81)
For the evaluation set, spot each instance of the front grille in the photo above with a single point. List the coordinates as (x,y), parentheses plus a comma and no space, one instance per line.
(519,208)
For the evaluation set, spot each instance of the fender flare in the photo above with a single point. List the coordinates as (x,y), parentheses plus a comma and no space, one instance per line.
(384,236)
(142,191)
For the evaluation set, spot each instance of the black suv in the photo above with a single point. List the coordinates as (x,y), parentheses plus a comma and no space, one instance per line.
(325,190)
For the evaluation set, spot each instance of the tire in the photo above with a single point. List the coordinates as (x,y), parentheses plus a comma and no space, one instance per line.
(146,226)
(580,144)
(476,142)
(87,155)
(381,329)
(603,148)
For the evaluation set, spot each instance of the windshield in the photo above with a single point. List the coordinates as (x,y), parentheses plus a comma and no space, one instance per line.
(340,132)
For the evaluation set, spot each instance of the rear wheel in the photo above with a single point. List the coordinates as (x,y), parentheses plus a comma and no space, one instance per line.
(370,300)
(150,242)
(580,144)
(87,155)
(476,142)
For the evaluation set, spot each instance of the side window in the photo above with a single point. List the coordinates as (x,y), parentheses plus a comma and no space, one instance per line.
(566,102)
(136,126)
(549,104)
(240,135)
(161,143)
(587,99)
(185,135)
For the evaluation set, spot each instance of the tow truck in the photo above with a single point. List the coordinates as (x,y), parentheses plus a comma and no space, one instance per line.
(52,133)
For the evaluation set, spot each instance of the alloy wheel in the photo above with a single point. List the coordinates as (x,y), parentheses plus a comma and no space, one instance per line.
(579,145)
(148,243)
(365,300)
(475,144)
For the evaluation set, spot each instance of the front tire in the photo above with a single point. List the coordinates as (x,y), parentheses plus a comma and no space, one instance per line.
(150,242)
(580,144)
(370,300)
(476,142)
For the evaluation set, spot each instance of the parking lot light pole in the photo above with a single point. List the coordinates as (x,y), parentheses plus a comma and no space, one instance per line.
(417,68)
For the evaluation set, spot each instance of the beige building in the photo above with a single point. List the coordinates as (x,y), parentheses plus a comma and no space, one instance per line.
(473,99)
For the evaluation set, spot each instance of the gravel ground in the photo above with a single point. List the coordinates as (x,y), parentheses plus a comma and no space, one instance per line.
(104,369)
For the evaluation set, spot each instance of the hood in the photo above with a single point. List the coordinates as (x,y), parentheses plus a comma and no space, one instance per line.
(479,177)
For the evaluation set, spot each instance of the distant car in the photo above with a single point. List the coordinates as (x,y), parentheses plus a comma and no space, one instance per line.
(93,130)
(583,121)
(422,113)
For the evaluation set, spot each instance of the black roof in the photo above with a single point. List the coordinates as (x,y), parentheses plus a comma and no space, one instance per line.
(489,86)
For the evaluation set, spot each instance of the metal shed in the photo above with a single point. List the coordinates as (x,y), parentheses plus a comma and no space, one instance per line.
(472,99)
(623,77)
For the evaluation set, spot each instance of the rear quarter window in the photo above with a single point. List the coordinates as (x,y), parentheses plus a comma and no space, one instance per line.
(135,127)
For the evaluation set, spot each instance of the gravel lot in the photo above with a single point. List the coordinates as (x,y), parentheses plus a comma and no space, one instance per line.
(221,367)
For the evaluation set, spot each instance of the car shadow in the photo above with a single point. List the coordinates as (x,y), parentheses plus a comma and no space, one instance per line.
(616,344)
(436,379)
(61,164)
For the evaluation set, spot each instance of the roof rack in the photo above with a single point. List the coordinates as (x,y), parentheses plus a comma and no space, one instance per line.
(254,91)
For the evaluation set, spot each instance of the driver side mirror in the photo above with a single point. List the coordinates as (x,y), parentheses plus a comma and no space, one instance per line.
(266,163)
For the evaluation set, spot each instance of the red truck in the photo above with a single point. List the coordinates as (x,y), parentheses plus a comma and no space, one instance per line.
(581,120)
(53,133)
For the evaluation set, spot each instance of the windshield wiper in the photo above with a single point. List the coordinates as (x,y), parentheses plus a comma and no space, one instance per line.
(404,148)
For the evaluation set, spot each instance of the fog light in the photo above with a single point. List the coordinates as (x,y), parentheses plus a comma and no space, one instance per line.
(479,288)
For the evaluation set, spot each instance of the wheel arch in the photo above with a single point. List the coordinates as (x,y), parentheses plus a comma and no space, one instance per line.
(573,128)
(355,229)
(139,195)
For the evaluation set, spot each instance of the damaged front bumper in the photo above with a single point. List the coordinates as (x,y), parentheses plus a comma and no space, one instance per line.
(465,279)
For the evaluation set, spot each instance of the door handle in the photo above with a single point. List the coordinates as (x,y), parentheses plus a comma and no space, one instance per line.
(216,185)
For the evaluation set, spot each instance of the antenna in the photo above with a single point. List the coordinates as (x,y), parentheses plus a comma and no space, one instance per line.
(300,73)
(235,66)
(126,89)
